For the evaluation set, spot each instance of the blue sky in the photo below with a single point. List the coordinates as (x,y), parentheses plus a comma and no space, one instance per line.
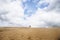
(31,6)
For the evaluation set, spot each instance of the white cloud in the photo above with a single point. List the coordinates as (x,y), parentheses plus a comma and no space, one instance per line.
(46,17)
(42,18)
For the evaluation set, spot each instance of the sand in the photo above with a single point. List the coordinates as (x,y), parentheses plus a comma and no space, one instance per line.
(29,33)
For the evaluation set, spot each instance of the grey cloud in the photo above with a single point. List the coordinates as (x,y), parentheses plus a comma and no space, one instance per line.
(58,6)
(55,5)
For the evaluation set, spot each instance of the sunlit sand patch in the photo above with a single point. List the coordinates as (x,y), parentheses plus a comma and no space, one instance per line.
(29,33)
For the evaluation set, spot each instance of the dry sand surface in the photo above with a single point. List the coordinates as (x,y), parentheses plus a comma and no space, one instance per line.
(29,33)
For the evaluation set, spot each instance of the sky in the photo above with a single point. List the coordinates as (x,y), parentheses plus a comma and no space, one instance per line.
(37,13)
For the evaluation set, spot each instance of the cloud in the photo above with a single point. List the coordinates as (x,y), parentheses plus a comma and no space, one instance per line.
(46,17)
(12,14)
(12,11)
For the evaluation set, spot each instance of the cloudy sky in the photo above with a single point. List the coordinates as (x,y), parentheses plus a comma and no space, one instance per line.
(37,13)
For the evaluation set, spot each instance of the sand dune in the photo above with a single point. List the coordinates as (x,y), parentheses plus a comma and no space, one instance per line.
(29,33)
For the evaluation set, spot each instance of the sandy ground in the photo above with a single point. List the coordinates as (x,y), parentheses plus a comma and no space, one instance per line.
(29,33)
